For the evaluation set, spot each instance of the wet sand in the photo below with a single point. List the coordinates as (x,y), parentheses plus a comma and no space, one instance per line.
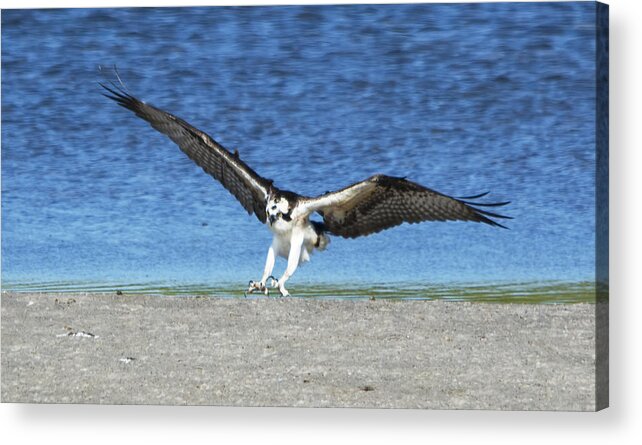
(137,349)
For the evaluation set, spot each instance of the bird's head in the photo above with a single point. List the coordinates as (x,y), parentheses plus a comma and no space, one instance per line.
(277,207)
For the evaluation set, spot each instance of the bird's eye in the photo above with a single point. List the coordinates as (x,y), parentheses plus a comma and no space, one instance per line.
(273,207)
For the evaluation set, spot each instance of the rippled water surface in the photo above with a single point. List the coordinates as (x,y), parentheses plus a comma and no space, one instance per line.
(462,98)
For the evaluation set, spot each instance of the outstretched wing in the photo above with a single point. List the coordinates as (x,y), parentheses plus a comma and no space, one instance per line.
(381,202)
(236,176)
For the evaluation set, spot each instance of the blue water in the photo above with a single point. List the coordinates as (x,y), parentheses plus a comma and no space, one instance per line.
(462,98)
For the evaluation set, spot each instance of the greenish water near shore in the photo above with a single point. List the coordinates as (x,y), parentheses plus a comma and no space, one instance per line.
(552,292)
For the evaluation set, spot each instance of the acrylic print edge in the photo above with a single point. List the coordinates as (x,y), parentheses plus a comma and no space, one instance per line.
(602,207)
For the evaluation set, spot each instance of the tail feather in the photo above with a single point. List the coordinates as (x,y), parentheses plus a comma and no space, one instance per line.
(322,236)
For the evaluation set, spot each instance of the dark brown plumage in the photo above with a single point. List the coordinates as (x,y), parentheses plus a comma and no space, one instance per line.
(375,204)
(236,176)
(381,202)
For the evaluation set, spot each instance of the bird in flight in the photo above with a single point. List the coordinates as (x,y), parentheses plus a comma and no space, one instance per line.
(370,206)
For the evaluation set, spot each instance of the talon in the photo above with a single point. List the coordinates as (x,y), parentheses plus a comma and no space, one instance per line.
(253,286)
(275,282)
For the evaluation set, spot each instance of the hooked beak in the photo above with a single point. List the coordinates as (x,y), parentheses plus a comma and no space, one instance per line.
(272,218)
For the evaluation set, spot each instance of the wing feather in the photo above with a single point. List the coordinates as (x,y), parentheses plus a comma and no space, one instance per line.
(236,176)
(381,202)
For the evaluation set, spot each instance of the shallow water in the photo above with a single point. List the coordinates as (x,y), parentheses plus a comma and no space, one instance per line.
(513,292)
(462,98)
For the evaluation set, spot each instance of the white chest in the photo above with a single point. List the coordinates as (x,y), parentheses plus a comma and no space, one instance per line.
(282,231)
(280,228)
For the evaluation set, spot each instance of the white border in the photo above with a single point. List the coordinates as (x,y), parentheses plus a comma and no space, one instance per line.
(621,423)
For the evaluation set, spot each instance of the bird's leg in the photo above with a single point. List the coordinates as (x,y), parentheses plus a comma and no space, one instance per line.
(269,265)
(296,242)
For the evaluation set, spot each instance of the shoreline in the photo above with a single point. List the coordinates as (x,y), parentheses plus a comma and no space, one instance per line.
(511,292)
(179,350)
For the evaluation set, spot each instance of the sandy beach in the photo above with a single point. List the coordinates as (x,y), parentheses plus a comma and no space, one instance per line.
(137,349)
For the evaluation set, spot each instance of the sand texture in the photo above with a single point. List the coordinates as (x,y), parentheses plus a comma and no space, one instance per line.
(137,349)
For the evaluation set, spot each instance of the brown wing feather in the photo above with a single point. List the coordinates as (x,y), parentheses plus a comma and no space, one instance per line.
(381,202)
(235,175)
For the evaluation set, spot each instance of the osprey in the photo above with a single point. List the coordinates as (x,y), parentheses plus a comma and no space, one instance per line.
(375,204)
